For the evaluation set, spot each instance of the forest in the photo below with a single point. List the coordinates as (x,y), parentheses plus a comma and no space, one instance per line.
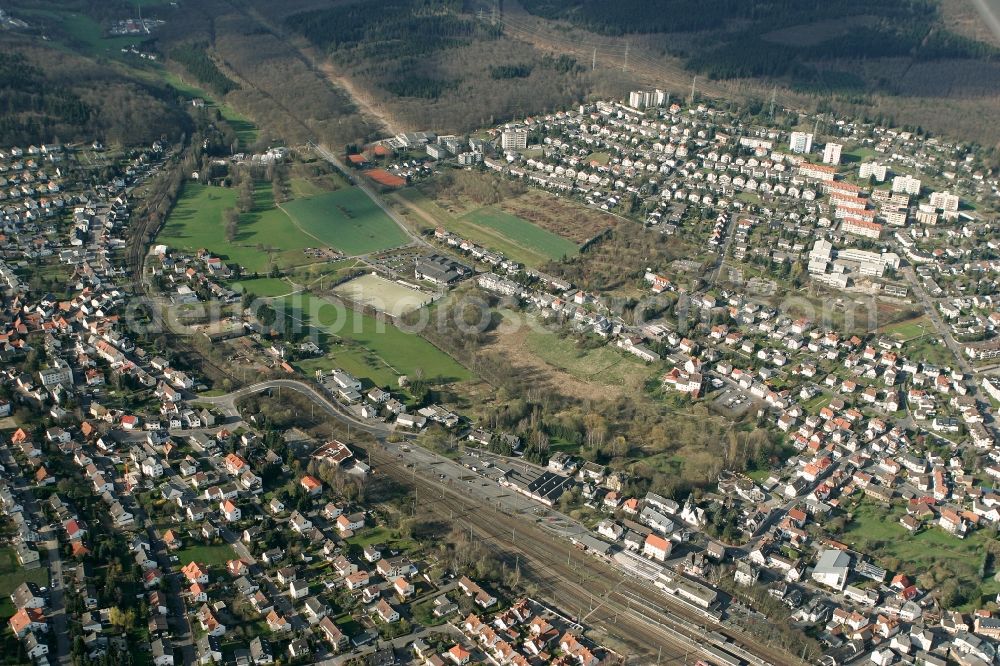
(46,93)
(400,27)
(749,54)
(434,65)
(196,60)
(29,107)
(649,16)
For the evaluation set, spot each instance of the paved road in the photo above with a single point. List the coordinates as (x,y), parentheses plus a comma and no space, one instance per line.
(944,333)
(57,602)
(227,403)
(181,636)
(49,539)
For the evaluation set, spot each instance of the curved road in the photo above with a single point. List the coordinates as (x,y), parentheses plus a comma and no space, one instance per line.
(227,403)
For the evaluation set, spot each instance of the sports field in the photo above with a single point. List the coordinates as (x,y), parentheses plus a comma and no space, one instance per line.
(265,235)
(346,220)
(384,295)
(520,232)
(372,349)
(264,287)
(383,177)
(910,329)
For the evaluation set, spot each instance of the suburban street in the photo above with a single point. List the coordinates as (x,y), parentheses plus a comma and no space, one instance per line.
(49,539)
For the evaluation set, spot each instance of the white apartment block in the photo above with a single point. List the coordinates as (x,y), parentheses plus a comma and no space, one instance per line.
(944,201)
(646,99)
(831,153)
(800,142)
(896,218)
(907,184)
(514,139)
(873,169)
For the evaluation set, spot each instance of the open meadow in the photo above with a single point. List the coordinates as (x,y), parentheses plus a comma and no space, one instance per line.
(346,220)
(490,227)
(213,556)
(930,555)
(371,348)
(265,236)
(492,220)
(244,128)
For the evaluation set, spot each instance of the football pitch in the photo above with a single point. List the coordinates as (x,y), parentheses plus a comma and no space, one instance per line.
(518,239)
(346,220)
(382,294)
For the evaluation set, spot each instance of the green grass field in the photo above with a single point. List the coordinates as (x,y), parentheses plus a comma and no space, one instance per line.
(373,349)
(83,33)
(213,556)
(347,220)
(264,287)
(878,532)
(602,365)
(858,154)
(492,228)
(322,274)
(492,222)
(265,235)
(13,574)
(907,330)
(928,349)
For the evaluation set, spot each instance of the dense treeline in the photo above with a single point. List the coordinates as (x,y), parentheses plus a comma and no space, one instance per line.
(289,101)
(749,55)
(196,61)
(402,27)
(647,16)
(432,65)
(518,71)
(29,107)
(47,93)
(423,87)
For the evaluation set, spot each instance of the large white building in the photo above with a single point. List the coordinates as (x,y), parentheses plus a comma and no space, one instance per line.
(646,99)
(874,169)
(869,263)
(907,184)
(831,153)
(944,201)
(833,267)
(861,227)
(832,569)
(800,142)
(514,139)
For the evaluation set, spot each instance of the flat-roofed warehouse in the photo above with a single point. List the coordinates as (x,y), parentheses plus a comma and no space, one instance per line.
(439,270)
(546,487)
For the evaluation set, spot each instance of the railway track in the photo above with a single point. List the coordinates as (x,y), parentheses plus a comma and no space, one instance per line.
(598,594)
